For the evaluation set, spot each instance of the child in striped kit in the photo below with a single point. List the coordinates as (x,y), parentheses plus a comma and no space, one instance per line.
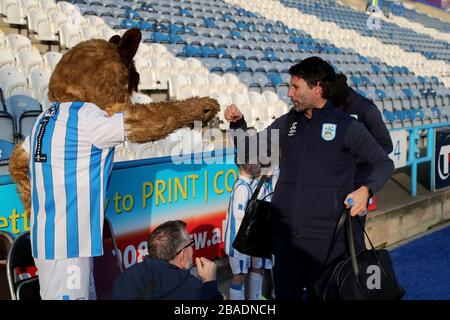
(239,262)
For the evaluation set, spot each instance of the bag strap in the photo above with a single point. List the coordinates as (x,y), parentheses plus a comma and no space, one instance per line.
(342,217)
(345,218)
(263,178)
(351,245)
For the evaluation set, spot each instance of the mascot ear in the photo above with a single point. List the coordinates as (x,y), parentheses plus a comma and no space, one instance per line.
(129,44)
(115,39)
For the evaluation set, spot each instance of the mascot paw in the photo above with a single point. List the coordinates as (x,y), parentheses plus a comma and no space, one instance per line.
(210,107)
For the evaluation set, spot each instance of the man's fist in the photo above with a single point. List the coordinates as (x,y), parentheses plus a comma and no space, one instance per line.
(206,269)
(233,114)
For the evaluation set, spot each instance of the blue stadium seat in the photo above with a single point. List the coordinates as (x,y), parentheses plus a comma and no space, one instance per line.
(380,94)
(188,30)
(270,55)
(131,14)
(376,68)
(206,51)
(237,65)
(356,80)
(251,27)
(419,114)
(159,37)
(147,7)
(146,26)
(175,38)
(411,114)
(275,78)
(408,93)
(129,23)
(269,28)
(7,136)
(227,17)
(221,52)
(209,23)
(191,51)
(389,116)
(436,112)
(405,70)
(185,13)
(391,80)
(24,110)
(235,34)
(174,28)
(421,80)
(364,80)
(161,27)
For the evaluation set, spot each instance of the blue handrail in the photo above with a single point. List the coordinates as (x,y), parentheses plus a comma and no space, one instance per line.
(414,158)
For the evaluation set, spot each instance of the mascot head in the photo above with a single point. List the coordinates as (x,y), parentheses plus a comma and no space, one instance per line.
(98,71)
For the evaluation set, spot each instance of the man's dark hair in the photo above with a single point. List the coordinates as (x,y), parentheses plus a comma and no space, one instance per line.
(167,239)
(315,71)
(341,91)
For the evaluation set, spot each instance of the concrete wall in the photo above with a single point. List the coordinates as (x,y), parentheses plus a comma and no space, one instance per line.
(390,227)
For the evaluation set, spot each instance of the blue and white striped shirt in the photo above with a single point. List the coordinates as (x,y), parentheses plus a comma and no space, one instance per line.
(268,187)
(71,150)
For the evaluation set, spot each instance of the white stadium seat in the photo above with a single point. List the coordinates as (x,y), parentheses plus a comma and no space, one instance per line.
(34,17)
(177,65)
(51,58)
(13,81)
(199,85)
(39,79)
(46,32)
(179,87)
(15,15)
(29,59)
(160,68)
(7,58)
(69,36)
(144,52)
(17,42)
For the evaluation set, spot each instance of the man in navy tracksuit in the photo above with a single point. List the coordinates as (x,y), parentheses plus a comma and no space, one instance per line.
(365,111)
(317,168)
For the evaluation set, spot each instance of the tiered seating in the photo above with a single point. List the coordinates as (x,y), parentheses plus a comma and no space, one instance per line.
(425,20)
(390,33)
(383,83)
(212,48)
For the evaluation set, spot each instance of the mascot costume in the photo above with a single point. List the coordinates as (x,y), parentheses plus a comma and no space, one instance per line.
(62,168)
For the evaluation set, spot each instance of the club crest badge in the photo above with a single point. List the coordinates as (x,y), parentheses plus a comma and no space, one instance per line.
(328,131)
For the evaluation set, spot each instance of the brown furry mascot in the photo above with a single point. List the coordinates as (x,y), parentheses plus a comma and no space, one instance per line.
(62,168)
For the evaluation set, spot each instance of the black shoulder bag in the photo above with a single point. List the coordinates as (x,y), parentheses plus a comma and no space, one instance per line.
(362,275)
(253,237)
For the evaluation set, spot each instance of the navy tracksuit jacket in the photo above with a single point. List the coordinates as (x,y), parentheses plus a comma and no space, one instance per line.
(366,112)
(317,170)
(154,279)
